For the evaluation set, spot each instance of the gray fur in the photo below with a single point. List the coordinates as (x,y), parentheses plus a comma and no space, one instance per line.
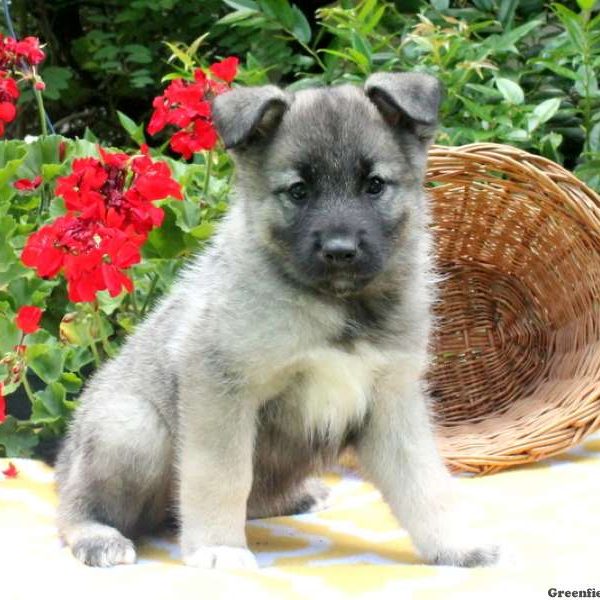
(271,355)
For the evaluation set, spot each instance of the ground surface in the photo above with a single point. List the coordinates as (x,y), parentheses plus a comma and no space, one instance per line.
(547,513)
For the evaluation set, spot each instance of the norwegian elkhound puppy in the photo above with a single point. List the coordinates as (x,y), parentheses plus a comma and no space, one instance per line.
(302,330)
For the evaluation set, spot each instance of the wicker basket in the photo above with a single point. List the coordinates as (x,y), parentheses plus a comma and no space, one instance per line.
(516,371)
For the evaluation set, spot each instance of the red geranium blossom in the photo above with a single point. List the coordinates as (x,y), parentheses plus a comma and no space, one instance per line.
(9,92)
(11,472)
(18,57)
(226,69)
(2,404)
(28,185)
(110,215)
(28,318)
(29,49)
(202,136)
(13,51)
(185,105)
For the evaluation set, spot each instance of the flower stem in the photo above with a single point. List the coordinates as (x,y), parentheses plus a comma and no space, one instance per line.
(94,350)
(155,279)
(103,339)
(209,158)
(27,388)
(41,111)
(134,305)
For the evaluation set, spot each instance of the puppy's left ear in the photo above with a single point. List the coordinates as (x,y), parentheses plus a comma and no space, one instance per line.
(408,101)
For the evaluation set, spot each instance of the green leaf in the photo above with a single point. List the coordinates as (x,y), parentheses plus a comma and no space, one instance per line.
(506,12)
(57,79)
(511,91)
(236,16)
(546,109)
(242,4)
(89,135)
(507,41)
(132,128)
(440,4)
(361,45)
(48,406)
(9,334)
(558,69)
(280,10)
(16,440)
(71,382)
(203,231)
(574,26)
(138,53)
(300,28)
(12,156)
(373,20)
(46,361)
(517,135)
(586,4)
(167,241)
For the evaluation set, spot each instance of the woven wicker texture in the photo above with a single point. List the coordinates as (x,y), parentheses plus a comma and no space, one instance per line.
(516,370)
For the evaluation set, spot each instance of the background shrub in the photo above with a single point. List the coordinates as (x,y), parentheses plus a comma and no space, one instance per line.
(522,72)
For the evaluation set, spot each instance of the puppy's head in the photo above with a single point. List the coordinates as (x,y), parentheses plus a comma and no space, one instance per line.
(331,175)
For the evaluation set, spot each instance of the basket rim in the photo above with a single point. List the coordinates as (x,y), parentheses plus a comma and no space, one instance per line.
(580,203)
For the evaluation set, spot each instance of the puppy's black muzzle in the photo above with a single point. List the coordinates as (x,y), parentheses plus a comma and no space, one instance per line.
(338,250)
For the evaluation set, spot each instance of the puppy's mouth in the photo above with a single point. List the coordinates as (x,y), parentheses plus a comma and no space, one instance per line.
(343,284)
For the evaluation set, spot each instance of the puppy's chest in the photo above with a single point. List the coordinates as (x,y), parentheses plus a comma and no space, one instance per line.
(330,391)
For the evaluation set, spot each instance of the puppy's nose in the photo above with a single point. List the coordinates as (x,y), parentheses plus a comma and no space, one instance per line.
(340,249)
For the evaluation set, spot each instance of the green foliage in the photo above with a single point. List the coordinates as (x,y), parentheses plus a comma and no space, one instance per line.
(75,338)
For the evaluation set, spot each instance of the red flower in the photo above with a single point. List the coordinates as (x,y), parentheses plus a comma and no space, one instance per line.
(28,318)
(11,472)
(42,249)
(9,92)
(28,185)
(202,137)
(226,69)
(111,214)
(2,404)
(185,104)
(13,51)
(40,86)
(153,179)
(114,159)
(29,49)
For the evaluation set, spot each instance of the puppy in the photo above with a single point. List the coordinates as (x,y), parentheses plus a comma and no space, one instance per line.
(301,331)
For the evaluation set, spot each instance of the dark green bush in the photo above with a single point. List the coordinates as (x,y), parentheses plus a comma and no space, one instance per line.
(519,72)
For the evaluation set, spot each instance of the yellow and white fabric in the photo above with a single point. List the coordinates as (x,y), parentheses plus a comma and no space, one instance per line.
(548,514)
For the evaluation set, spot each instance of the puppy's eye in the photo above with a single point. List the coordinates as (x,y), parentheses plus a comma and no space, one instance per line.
(298,192)
(375,186)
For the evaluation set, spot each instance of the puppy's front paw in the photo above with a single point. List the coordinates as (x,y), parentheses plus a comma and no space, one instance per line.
(483,555)
(221,557)
(105,550)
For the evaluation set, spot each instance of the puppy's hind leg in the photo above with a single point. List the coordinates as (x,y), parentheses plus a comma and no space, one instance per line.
(310,496)
(111,487)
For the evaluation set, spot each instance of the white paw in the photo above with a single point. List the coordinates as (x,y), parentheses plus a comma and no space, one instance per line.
(476,555)
(221,557)
(317,497)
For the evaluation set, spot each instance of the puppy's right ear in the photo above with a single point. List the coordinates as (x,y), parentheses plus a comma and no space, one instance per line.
(247,112)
